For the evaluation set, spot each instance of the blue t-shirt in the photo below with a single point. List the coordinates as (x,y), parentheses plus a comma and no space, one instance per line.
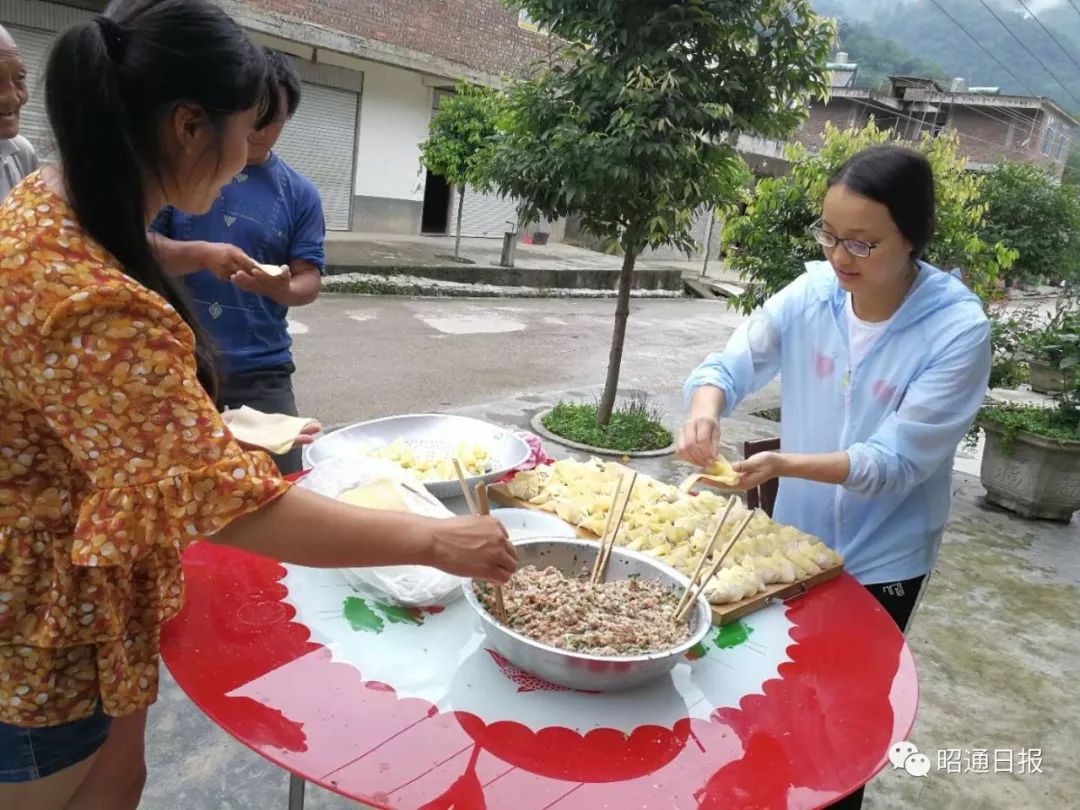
(273,214)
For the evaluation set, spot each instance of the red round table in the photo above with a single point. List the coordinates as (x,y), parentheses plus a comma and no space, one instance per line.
(842,691)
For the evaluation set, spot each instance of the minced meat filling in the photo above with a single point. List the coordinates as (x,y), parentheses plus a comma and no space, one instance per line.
(627,617)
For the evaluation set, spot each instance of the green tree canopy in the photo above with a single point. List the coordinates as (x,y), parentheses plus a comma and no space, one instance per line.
(462,135)
(633,129)
(1035,216)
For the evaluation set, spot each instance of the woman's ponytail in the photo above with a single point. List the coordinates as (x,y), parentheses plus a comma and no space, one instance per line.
(109,83)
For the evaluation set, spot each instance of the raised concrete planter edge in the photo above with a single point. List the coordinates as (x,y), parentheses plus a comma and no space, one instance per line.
(537,423)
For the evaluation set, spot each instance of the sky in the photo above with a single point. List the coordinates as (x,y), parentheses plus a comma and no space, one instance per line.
(1042,5)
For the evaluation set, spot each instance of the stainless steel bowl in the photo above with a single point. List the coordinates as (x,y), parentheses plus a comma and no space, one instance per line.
(430,434)
(590,673)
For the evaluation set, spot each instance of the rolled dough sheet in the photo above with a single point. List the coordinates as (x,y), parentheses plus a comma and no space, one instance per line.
(272,269)
(395,496)
(379,495)
(275,432)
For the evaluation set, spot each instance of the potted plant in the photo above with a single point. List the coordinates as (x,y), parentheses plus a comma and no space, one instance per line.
(542,232)
(1010,332)
(1031,462)
(1046,349)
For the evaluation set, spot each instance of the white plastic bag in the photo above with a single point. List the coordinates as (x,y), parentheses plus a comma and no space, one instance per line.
(407,585)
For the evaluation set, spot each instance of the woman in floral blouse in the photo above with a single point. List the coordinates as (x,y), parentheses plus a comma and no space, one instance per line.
(112,455)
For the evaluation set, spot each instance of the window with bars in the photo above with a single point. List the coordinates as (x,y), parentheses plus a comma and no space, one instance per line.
(527,22)
(1063,147)
(1049,136)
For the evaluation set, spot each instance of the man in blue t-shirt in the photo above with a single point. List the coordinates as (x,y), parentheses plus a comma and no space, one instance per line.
(268,215)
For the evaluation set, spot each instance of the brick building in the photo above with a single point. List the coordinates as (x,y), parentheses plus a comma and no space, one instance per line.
(373,72)
(992,127)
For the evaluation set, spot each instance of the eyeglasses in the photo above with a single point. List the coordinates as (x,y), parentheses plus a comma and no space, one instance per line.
(856,247)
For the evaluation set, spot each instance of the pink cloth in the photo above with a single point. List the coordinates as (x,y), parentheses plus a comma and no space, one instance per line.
(537,458)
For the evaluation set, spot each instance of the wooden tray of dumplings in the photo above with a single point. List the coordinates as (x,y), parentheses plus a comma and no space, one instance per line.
(722,614)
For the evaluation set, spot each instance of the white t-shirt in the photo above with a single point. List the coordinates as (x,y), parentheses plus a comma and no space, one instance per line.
(861,334)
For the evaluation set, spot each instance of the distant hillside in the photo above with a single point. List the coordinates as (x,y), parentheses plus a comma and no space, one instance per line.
(880,57)
(920,29)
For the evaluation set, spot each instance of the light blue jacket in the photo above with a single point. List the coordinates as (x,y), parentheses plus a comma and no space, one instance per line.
(899,414)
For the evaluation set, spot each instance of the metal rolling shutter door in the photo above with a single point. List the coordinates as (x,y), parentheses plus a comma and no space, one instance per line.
(320,143)
(486,215)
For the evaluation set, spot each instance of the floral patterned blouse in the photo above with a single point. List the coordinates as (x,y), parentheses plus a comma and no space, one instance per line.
(112,458)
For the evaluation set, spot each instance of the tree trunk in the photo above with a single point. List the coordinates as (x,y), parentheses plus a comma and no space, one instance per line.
(622,313)
(519,228)
(460,210)
(708,240)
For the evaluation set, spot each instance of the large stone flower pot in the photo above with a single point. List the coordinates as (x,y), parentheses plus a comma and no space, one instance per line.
(1038,478)
(1045,378)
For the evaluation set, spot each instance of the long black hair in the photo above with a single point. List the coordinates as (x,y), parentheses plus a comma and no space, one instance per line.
(902,180)
(109,84)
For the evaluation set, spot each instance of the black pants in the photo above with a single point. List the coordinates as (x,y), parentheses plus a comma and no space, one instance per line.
(270,391)
(899,600)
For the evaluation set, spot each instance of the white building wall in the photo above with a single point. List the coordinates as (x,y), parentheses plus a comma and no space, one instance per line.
(394,116)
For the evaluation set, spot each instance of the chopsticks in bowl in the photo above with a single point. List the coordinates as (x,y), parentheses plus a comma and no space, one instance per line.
(623,490)
(483,508)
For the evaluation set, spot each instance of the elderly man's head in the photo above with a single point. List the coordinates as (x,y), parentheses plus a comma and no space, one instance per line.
(13,93)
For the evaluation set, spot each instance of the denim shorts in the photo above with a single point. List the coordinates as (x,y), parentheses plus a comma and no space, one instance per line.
(27,754)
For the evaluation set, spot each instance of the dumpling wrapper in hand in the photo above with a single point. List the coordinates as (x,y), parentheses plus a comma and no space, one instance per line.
(722,473)
(274,270)
(274,432)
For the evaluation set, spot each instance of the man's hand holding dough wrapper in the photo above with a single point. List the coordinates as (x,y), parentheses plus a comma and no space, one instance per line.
(273,270)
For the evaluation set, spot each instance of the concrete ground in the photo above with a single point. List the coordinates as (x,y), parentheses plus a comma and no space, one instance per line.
(384,264)
(361,357)
(997,639)
(349,248)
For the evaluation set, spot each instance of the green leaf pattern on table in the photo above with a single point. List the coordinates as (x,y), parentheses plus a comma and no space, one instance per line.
(372,618)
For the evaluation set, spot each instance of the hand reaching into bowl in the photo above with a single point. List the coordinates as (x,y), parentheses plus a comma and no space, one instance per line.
(476,547)
(304,528)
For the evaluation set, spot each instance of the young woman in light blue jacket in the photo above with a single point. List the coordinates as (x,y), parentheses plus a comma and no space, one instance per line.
(884,362)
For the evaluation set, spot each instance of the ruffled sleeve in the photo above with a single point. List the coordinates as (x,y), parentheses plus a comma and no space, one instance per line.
(114,376)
